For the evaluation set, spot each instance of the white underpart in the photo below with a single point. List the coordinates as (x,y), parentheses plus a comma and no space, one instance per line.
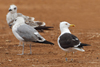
(79,49)
(14,30)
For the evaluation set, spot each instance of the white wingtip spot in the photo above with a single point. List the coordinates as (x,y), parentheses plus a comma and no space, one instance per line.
(32,18)
(43,24)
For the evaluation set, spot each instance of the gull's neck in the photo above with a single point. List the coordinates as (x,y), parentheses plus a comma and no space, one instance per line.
(15,12)
(65,30)
(18,23)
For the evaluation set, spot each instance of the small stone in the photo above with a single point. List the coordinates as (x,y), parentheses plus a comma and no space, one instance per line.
(10,60)
(8,40)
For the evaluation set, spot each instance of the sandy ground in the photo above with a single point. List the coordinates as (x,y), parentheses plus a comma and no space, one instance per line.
(83,13)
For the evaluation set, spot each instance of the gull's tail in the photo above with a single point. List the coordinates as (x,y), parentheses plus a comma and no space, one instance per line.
(43,27)
(83,44)
(45,42)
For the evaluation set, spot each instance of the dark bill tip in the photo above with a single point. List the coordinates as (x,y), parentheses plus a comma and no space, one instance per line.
(10,9)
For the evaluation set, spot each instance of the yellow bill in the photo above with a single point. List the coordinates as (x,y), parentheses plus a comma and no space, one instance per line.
(72,25)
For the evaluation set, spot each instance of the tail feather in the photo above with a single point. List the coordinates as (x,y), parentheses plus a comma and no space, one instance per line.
(83,44)
(45,42)
(43,27)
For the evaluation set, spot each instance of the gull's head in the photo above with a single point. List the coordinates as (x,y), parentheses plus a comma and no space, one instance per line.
(19,20)
(13,9)
(65,25)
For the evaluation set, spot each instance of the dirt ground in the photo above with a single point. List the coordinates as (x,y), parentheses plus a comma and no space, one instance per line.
(85,14)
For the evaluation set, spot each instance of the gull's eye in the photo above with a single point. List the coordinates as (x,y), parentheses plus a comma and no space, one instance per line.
(66,24)
(15,8)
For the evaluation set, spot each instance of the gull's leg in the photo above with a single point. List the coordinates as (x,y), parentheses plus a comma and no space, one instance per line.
(66,56)
(22,50)
(20,44)
(30,49)
(72,55)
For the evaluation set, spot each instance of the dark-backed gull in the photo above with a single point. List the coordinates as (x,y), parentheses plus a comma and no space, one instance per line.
(67,41)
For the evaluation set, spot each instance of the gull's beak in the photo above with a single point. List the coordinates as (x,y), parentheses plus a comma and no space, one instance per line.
(72,25)
(10,9)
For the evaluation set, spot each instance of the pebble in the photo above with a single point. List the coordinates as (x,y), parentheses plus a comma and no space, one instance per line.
(10,60)
(8,40)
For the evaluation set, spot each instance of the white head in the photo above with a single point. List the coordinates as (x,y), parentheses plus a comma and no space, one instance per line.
(13,9)
(19,20)
(64,26)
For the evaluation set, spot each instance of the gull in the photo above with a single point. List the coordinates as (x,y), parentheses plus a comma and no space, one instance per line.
(67,41)
(26,33)
(12,14)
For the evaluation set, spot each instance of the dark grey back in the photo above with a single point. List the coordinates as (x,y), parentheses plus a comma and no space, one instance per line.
(68,40)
